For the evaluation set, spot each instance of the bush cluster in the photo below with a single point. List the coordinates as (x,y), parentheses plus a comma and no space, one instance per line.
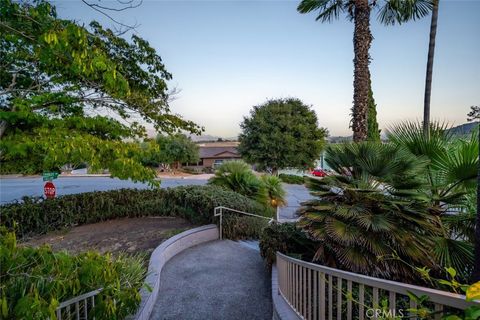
(291,178)
(35,280)
(287,239)
(193,203)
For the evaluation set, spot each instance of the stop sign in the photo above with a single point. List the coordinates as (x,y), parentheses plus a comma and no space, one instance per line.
(49,190)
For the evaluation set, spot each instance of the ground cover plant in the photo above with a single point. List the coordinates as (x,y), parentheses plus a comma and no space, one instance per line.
(35,280)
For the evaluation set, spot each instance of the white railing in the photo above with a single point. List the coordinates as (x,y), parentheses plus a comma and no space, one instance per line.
(78,308)
(317,292)
(219,211)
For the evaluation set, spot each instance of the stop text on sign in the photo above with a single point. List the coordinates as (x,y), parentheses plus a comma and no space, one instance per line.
(49,190)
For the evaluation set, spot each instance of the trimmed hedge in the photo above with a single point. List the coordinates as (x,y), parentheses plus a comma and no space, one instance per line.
(193,203)
(291,178)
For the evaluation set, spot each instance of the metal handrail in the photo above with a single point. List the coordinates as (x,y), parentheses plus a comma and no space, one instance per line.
(301,283)
(78,302)
(218,212)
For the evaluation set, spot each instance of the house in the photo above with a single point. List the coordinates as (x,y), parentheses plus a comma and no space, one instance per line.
(212,154)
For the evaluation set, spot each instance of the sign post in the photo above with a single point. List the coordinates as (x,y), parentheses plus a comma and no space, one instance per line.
(49,188)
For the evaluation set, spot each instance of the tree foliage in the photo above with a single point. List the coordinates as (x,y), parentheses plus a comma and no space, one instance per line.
(373,133)
(170,150)
(281,133)
(71,93)
(474,113)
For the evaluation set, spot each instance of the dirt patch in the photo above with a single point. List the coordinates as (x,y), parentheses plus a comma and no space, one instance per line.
(130,235)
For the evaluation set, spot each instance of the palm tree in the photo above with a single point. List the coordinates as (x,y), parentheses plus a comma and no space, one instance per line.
(450,183)
(238,176)
(391,12)
(274,190)
(428,78)
(367,210)
(474,115)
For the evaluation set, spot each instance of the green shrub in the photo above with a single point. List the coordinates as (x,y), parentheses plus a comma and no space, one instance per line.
(35,280)
(285,238)
(275,191)
(242,227)
(239,177)
(291,178)
(191,170)
(193,203)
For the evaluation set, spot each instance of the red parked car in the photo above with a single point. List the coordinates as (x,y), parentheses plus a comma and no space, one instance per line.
(319,173)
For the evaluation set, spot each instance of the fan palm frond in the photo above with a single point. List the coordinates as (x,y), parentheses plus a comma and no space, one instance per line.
(237,176)
(454,253)
(360,219)
(328,10)
(400,11)
(274,190)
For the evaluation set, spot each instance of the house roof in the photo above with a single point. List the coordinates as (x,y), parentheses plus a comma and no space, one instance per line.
(212,144)
(218,152)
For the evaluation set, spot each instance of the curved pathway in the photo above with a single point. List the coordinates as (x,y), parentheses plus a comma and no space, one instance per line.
(217,280)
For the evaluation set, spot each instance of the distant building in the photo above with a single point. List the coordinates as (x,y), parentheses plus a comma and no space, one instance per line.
(213,154)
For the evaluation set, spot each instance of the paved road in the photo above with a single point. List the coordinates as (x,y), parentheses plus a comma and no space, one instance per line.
(296,194)
(15,188)
(12,189)
(222,280)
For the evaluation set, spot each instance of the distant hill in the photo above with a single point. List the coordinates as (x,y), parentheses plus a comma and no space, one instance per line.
(209,138)
(464,129)
(339,139)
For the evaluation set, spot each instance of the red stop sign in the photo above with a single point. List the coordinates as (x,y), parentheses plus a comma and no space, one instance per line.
(49,190)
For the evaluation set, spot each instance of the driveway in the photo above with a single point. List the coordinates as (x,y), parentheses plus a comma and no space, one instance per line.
(296,194)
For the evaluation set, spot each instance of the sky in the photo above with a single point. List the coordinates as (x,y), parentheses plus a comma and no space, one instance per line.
(227,56)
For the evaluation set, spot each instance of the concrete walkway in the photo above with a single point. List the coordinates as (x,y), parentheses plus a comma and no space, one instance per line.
(217,280)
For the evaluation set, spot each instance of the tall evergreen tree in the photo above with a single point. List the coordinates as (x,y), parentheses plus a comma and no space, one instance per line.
(373,133)
(281,133)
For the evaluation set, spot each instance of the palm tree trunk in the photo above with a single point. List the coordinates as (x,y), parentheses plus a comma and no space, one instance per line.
(428,78)
(476,267)
(362,39)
